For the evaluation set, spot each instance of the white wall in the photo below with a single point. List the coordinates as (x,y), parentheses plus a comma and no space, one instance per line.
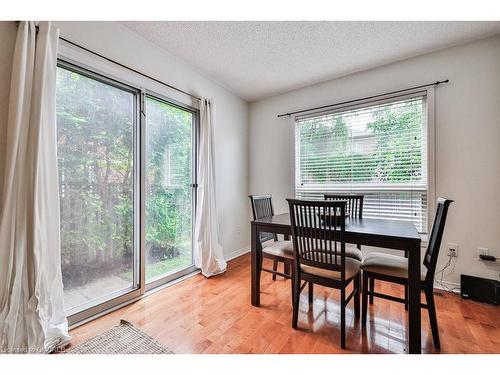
(467,140)
(231,127)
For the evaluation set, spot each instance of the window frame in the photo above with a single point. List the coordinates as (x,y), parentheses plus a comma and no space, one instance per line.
(67,59)
(194,185)
(428,126)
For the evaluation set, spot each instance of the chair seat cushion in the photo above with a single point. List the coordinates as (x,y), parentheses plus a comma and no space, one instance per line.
(283,249)
(352,267)
(388,264)
(353,252)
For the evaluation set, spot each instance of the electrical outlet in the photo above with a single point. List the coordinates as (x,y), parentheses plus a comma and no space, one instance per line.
(482,251)
(452,249)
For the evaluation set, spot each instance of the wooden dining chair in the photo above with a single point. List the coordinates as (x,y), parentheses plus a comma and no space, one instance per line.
(354,209)
(277,251)
(318,236)
(354,206)
(394,269)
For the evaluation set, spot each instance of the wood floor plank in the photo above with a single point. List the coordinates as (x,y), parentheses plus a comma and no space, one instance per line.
(200,315)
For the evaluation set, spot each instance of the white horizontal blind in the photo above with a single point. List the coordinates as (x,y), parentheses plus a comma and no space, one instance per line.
(379,150)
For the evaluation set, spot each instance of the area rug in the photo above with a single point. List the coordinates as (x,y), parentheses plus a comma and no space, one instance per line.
(122,339)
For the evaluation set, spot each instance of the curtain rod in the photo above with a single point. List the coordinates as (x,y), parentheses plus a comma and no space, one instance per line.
(126,67)
(129,68)
(365,98)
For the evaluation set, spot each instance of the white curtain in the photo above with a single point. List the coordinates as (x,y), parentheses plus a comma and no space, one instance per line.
(31,296)
(207,250)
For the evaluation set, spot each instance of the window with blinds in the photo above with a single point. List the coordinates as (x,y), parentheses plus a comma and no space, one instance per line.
(377,149)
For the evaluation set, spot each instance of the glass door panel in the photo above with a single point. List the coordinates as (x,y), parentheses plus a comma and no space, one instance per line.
(168,188)
(96,119)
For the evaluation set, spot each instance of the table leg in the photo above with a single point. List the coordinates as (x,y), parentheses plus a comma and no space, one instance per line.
(414,317)
(256,266)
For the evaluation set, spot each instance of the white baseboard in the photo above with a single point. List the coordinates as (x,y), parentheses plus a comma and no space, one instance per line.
(447,286)
(236,253)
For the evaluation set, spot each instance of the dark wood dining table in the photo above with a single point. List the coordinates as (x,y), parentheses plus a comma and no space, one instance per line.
(382,233)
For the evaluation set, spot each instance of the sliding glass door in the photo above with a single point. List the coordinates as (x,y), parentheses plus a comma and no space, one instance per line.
(127,190)
(96,123)
(169,189)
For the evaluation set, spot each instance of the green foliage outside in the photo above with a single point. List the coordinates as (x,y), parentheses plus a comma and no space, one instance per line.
(168,179)
(95,137)
(393,136)
(399,131)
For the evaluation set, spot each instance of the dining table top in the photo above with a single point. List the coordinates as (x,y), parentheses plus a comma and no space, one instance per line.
(362,226)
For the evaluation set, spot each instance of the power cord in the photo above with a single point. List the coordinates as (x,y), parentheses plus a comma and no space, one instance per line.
(442,270)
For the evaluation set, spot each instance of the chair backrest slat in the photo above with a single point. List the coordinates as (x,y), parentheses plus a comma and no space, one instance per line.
(354,205)
(262,207)
(436,235)
(318,229)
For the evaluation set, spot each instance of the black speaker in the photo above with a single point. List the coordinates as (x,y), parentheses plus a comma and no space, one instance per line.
(479,289)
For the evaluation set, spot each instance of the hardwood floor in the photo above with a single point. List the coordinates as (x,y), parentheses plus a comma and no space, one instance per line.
(200,315)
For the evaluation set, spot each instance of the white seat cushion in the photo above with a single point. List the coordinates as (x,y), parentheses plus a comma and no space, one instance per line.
(353,252)
(352,267)
(388,264)
(285,249)
(282,249)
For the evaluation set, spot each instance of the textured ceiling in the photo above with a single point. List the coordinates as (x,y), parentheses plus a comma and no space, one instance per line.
(259,59)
